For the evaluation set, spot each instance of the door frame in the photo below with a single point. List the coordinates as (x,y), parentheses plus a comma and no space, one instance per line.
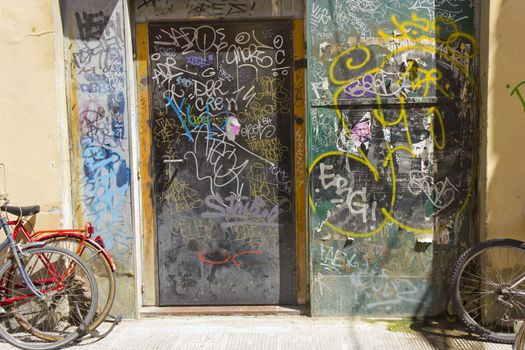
(150,288)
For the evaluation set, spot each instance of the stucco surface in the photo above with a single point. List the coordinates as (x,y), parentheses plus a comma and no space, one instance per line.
(505,163)
(30,142)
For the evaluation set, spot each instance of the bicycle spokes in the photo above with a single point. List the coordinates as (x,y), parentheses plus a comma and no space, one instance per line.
(485,286)
(65,300)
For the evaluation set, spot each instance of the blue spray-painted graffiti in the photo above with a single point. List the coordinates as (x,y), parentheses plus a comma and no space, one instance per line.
(106,181)
(99,69)
(197,121)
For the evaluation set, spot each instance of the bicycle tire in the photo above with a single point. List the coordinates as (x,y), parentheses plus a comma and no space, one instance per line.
(101,268)
(520,339)
(63,314)
(475,296)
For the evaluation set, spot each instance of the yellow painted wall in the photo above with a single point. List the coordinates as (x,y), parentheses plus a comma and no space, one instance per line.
(504,161)
(33,139)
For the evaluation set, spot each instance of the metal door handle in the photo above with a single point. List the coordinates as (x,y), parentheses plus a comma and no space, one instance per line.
(168,171)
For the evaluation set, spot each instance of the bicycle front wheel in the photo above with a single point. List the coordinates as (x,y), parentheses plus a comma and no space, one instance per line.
(66,308)
(484,291)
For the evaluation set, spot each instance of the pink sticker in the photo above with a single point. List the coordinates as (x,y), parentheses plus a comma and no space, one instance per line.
(233,127)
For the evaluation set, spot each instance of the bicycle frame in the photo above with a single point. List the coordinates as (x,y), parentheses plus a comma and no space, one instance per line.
(13,247)
(81,234)
(515,285)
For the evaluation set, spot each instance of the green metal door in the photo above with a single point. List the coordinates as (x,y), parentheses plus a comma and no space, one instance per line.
(392,130)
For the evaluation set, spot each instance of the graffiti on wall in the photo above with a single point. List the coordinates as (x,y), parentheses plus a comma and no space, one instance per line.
(361,18)
(516,92)
(372,274)
(392,128)
(401,166)
(202,8)
(151,10)
(98,70)
(222,103)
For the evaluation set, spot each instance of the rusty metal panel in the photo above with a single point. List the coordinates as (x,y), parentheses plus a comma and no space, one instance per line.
(392,147)
(149,244)
(301,217)
(222,102)
(99,127)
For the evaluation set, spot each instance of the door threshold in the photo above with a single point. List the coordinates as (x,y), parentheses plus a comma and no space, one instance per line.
(229,310)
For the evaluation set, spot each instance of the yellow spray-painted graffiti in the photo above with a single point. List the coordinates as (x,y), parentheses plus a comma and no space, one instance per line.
(440,38)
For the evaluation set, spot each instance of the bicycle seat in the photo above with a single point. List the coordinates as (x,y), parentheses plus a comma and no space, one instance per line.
(21,211)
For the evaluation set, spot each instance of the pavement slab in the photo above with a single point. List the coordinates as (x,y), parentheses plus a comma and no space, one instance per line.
(280,332)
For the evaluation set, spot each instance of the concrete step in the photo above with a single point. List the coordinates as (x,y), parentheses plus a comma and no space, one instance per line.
(228,310)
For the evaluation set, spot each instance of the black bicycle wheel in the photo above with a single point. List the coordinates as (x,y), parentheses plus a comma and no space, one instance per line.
(67,307)
(481,293)
(101,268)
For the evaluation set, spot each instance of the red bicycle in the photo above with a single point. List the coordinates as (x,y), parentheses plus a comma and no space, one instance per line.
(91,250)
(48,295)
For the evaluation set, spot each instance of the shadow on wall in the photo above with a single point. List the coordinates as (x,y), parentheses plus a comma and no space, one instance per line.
(441,329)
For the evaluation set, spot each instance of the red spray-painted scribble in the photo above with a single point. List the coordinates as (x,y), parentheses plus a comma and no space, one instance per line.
(229,257)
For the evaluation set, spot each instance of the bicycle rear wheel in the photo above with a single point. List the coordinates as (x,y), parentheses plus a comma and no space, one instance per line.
(480,288)
(520,339)
(68,305)
(99,265)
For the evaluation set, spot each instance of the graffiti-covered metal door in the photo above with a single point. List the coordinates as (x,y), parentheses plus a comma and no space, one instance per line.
(392,97)
(222,104)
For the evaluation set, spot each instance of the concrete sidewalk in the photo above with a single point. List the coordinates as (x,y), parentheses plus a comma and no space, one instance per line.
(283,332)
